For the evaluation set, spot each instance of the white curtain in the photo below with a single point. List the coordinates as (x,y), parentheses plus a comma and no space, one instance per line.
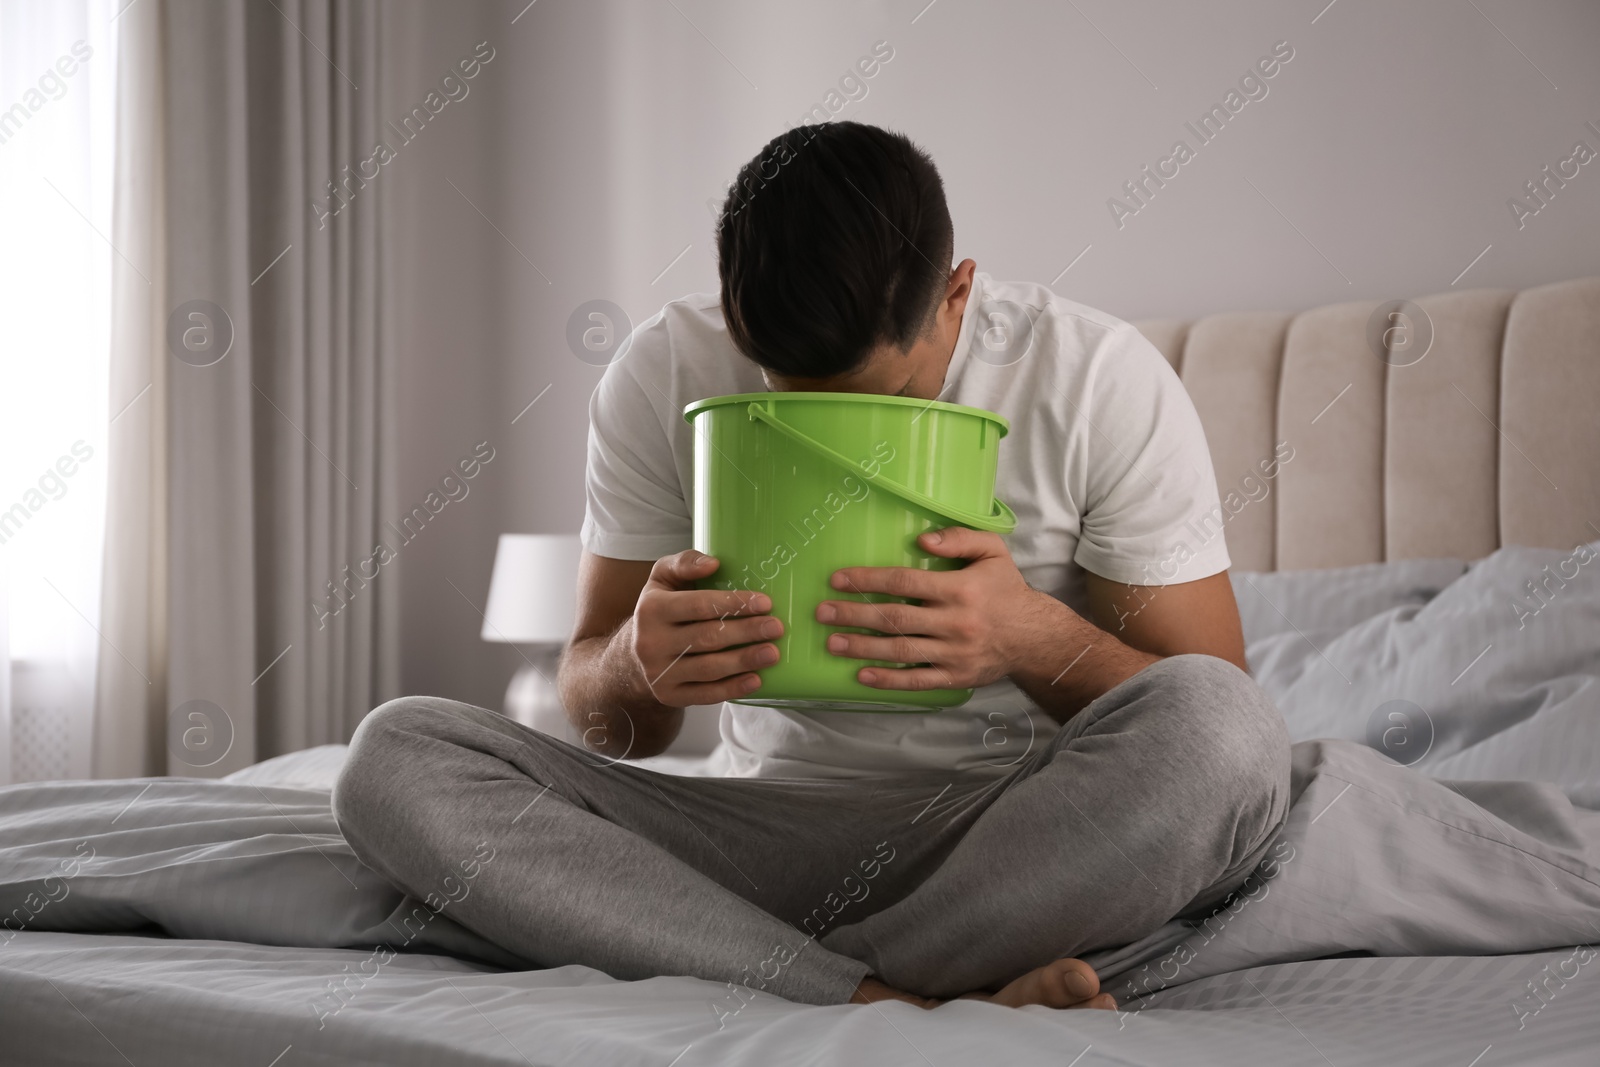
(58,70)
(252,471)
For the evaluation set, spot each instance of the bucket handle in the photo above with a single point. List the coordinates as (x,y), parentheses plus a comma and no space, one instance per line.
(1001,519)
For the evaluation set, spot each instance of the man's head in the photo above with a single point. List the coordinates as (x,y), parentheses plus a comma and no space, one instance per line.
(834,250)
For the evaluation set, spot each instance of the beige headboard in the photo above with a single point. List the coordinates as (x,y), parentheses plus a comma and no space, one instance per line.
(1491,438)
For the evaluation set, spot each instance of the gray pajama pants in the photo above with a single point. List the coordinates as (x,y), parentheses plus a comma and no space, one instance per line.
(1155,801)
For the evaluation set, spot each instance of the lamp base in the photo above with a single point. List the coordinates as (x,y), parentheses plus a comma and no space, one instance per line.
(532,698)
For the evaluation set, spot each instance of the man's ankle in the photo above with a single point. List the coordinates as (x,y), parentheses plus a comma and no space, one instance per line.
(872,990)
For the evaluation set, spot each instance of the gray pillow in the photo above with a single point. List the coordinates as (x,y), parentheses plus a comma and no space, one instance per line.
(1331,601)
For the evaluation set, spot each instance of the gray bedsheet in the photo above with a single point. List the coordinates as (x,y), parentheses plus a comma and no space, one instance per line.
(194,858)
(292,952)
(1375,858)
(117,999)
(1379,859)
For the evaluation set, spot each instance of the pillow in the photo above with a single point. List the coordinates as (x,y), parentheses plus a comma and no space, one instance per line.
(1331,601)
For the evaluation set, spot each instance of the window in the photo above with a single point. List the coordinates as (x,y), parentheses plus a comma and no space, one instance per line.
(57,139)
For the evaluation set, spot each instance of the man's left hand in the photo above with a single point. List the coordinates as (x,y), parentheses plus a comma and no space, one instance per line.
(971,626)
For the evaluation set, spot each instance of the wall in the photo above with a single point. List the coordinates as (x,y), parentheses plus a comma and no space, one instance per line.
(1377,165)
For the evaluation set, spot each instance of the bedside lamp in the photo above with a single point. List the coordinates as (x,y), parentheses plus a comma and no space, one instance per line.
(533,601)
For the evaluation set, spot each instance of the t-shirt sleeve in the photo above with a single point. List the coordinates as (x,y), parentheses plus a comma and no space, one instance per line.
(1150,514)
(635,502)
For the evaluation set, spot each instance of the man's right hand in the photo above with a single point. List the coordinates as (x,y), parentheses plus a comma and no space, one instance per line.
(687,641)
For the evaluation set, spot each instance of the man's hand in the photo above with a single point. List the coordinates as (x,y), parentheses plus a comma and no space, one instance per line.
(968,629)
(975,626)
(685,639)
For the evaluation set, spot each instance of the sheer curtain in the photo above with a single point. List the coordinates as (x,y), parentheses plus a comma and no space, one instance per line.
(129,724)
(58,70)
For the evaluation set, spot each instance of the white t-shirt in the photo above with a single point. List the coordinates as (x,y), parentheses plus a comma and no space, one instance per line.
(1106,466)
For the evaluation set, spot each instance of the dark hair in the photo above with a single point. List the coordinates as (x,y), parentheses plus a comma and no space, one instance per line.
(834,239)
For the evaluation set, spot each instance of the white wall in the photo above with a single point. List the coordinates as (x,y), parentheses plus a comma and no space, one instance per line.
(1378,165)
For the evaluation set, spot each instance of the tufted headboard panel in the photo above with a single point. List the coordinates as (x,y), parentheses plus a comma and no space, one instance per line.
(1327,455)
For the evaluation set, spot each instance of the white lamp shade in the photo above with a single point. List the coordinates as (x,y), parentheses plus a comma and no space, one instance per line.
(534,592)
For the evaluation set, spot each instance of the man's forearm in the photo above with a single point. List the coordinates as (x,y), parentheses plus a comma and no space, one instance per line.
(1066,662)
(608,701)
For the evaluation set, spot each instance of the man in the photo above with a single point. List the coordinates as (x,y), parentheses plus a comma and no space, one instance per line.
(1107,775)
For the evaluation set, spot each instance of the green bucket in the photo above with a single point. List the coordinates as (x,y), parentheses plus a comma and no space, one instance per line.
(790,487)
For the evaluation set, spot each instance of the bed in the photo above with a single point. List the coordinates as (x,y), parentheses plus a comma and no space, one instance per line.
(1420,587)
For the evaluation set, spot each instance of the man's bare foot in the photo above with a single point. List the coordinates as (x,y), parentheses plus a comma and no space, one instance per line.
(1063,984)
